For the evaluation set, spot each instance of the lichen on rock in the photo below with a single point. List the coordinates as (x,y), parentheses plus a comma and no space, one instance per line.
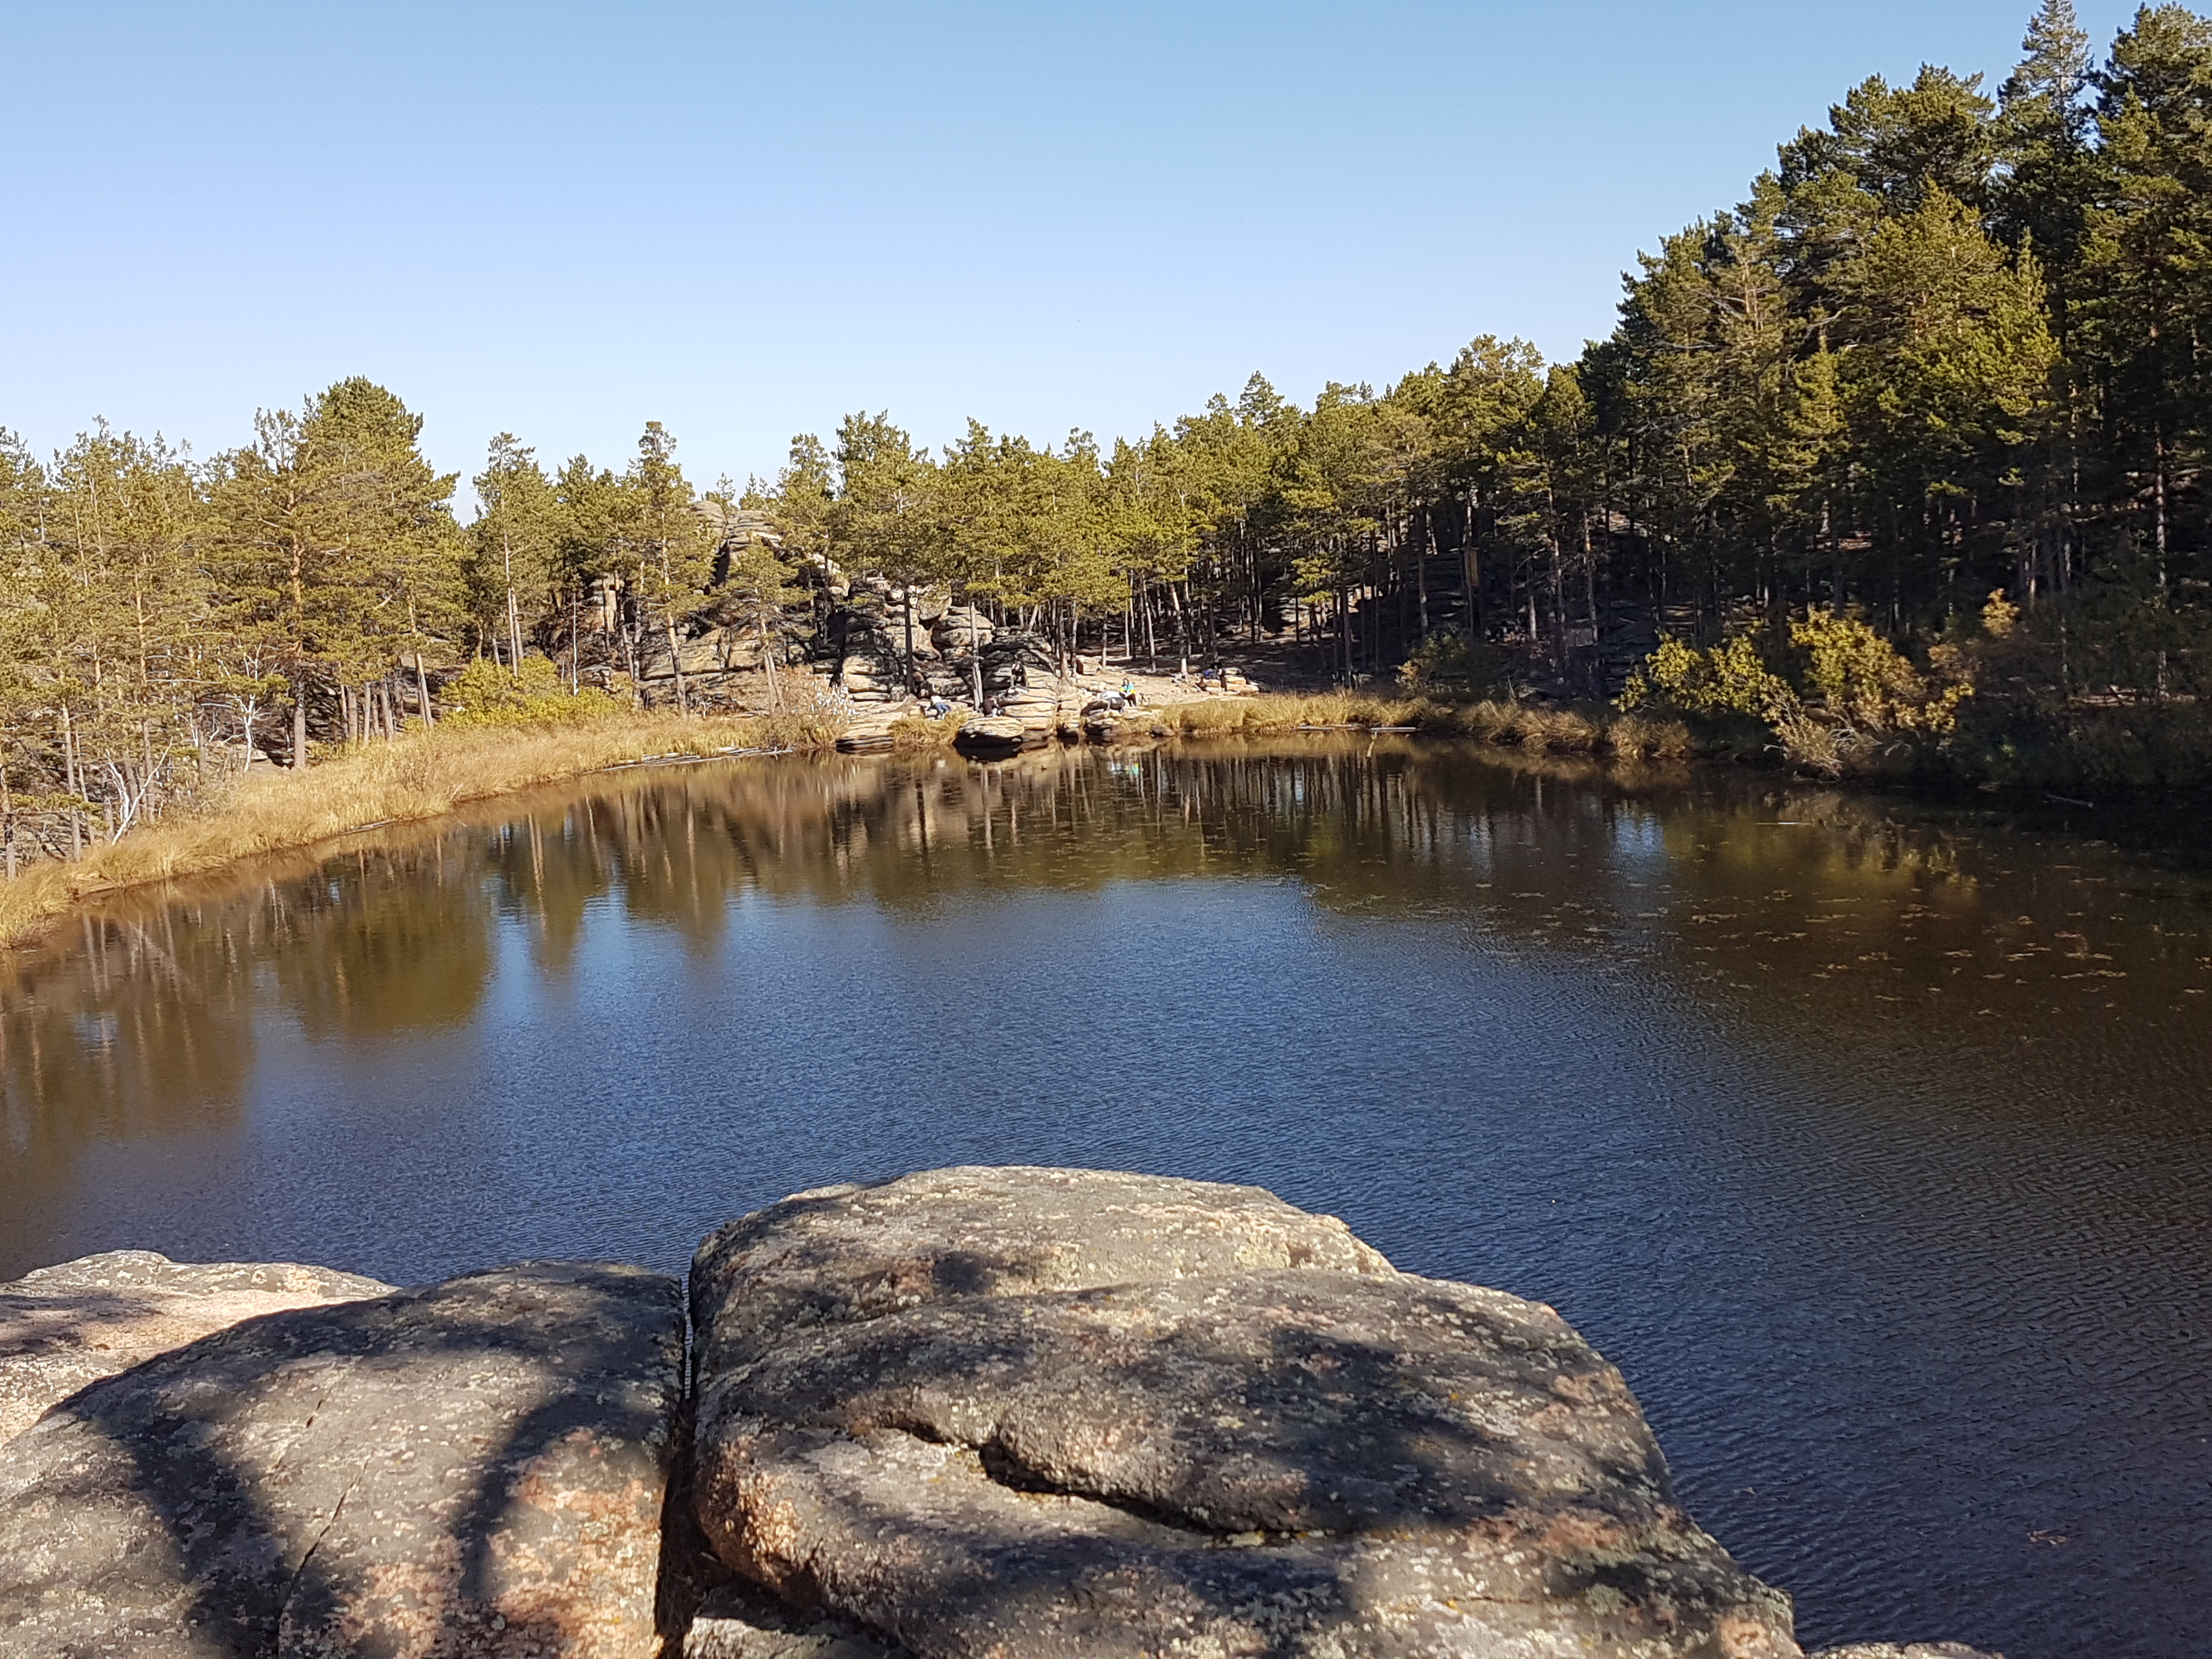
(474,1467)
(64,1327)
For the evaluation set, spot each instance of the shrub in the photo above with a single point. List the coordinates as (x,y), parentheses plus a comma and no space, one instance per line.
(1451,663)
(484,694)
(1829,695)
(920,731)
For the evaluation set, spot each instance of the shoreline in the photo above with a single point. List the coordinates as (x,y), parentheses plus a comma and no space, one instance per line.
(425,775)
(422,777)
(413,779)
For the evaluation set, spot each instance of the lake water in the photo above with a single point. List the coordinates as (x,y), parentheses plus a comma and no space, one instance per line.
(1872,1142)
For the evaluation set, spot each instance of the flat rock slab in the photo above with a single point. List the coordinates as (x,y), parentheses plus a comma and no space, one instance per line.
(476,1467)
(741,1623)
(61,1328)
(1041,1413)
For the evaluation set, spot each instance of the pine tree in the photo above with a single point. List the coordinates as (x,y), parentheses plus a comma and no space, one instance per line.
(885,519)
(335,551)
(515,542)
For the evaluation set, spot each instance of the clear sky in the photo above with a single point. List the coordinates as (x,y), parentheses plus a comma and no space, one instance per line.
(564,219)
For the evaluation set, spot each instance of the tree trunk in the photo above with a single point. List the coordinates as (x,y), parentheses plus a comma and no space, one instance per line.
(906,612)
(676,663)
(1470,573)
(71,783)
(300,727)
(768,660)
(513,611)
(1421,571)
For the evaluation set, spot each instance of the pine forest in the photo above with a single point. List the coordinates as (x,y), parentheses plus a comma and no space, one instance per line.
(1899,461)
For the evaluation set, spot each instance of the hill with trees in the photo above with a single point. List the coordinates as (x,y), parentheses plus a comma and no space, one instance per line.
(1905,450)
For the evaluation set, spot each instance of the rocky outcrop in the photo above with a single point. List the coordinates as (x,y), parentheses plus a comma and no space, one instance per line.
(478,1468)
(1009,1414)
(64,1328)
(1036,705)
(990,1411)
(714,654)
(990,735)
(738,1622)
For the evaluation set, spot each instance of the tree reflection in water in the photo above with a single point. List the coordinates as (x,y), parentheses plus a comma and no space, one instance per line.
(1808,908)
(1869,1138)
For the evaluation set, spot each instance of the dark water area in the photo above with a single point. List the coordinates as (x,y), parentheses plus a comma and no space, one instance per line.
(1872,1142)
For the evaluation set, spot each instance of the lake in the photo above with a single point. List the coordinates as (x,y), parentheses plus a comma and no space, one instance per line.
(1872,1142)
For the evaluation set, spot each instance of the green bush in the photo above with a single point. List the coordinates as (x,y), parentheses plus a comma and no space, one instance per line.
(485,693)
(1832,690)
(1451,663)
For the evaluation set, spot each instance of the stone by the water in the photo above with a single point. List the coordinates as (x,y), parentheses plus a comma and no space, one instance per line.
(971,1414)
(63,1327)
(1045,1413)
(476,1467)
(991,734)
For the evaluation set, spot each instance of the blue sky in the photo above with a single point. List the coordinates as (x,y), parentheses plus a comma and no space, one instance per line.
(565,220)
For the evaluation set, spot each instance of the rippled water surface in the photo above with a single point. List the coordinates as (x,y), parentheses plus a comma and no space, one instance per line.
(1872,1143)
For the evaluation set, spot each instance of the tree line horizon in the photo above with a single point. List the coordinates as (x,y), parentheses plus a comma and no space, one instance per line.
(1953,345)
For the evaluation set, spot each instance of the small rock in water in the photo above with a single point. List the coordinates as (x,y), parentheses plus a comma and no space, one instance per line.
(990,735)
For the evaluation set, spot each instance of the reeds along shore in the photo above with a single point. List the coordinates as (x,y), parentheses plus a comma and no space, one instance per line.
(1587,729)
(419,775)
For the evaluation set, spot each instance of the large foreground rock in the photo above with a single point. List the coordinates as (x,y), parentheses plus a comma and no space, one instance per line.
(478,1468)
(61,1328)
(1037,1412)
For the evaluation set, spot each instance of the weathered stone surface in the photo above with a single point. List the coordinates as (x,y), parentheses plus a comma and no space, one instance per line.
(1907,1651)
(991,734)
(476,1467)
(846,1253)
(64,1327)
(962,628)
(1037,1412)
(740,1623)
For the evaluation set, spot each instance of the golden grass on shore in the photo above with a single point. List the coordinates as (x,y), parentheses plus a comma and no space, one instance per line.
(422,775)
(1585,729)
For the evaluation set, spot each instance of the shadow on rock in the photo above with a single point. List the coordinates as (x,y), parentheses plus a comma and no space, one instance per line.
(477,1467)
(1184,1419)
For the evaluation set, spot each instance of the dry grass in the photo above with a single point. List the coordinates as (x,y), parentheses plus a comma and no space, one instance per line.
(1585,729)
(920,731)
(420,776)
